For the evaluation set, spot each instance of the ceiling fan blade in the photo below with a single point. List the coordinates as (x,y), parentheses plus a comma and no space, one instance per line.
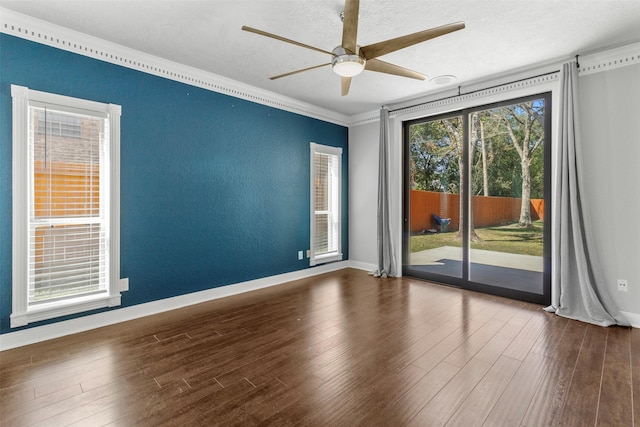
(298,71)
(384,67)
(273,36)
(346,84)
(350,26)
(382,48)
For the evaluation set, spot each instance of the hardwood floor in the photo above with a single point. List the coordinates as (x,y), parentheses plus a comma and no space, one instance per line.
(341,349)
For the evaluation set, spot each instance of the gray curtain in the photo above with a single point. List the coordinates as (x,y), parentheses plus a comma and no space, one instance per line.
(386,253)
(579,290)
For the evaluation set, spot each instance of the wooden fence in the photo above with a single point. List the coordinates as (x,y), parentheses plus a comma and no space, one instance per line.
(64,190)
(487,211)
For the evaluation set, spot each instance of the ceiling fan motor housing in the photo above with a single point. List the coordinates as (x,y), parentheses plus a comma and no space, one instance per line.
(346,64)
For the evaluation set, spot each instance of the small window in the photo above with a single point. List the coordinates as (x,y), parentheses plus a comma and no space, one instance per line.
(54,123)
(326,223)
(65,228)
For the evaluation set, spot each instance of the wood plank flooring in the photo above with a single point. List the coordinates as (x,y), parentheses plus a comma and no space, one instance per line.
(341,349)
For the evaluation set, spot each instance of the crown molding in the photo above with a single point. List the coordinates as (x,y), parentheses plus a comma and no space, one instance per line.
(605,60)
(43,32)
(541,74)
(609,59)
(453,100)
(364,118)
(36,30)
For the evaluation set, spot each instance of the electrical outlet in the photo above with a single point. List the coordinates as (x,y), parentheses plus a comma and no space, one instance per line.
(124,284)
(623,285)
(300,256)
(308,253)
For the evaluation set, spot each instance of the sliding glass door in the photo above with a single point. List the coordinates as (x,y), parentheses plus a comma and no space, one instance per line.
(435,155)
(476,204)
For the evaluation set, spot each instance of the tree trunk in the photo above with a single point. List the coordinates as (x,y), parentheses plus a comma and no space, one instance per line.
(485,174)
(524,151)
(461,192)
(525,207)
(458,138)
(473,236)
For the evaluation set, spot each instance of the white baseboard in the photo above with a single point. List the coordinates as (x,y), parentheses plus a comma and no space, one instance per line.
(85,323)
(633,318)
(363,266)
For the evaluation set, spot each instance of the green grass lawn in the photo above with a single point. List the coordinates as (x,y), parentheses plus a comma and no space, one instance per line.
(507,238)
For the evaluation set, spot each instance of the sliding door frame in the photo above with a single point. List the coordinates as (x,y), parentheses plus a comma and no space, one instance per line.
(463,281)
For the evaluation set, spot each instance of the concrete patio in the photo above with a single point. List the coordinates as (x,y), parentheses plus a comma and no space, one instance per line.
(506,270)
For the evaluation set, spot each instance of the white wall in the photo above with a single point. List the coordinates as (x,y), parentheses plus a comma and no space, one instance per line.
(609,105)
(363,193)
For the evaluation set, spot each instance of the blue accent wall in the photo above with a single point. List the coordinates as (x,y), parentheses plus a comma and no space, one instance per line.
(214,189)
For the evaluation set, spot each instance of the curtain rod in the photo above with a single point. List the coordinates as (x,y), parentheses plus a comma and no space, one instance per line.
(478,90)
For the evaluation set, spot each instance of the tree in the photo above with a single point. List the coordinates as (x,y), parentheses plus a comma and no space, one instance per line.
(524,126)
(433,157)
(505,155)
(455,130)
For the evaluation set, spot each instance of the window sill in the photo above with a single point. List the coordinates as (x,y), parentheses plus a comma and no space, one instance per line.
(323,259)
(64,308)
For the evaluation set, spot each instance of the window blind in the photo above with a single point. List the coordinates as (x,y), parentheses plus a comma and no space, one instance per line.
(326,202)
(67,204)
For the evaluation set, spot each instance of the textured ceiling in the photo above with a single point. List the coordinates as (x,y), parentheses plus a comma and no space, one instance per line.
(500,35)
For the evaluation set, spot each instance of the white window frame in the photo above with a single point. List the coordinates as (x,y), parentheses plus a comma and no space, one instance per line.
(22,313)
(314,258)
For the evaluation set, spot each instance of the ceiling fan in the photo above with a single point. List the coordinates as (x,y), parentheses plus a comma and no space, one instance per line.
(349,59)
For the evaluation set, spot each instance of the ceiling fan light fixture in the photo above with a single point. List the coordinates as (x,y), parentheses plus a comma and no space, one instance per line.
(346,64)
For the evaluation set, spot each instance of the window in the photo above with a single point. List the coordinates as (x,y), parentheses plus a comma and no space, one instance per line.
(66,155)
(59,124)
(326,224)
